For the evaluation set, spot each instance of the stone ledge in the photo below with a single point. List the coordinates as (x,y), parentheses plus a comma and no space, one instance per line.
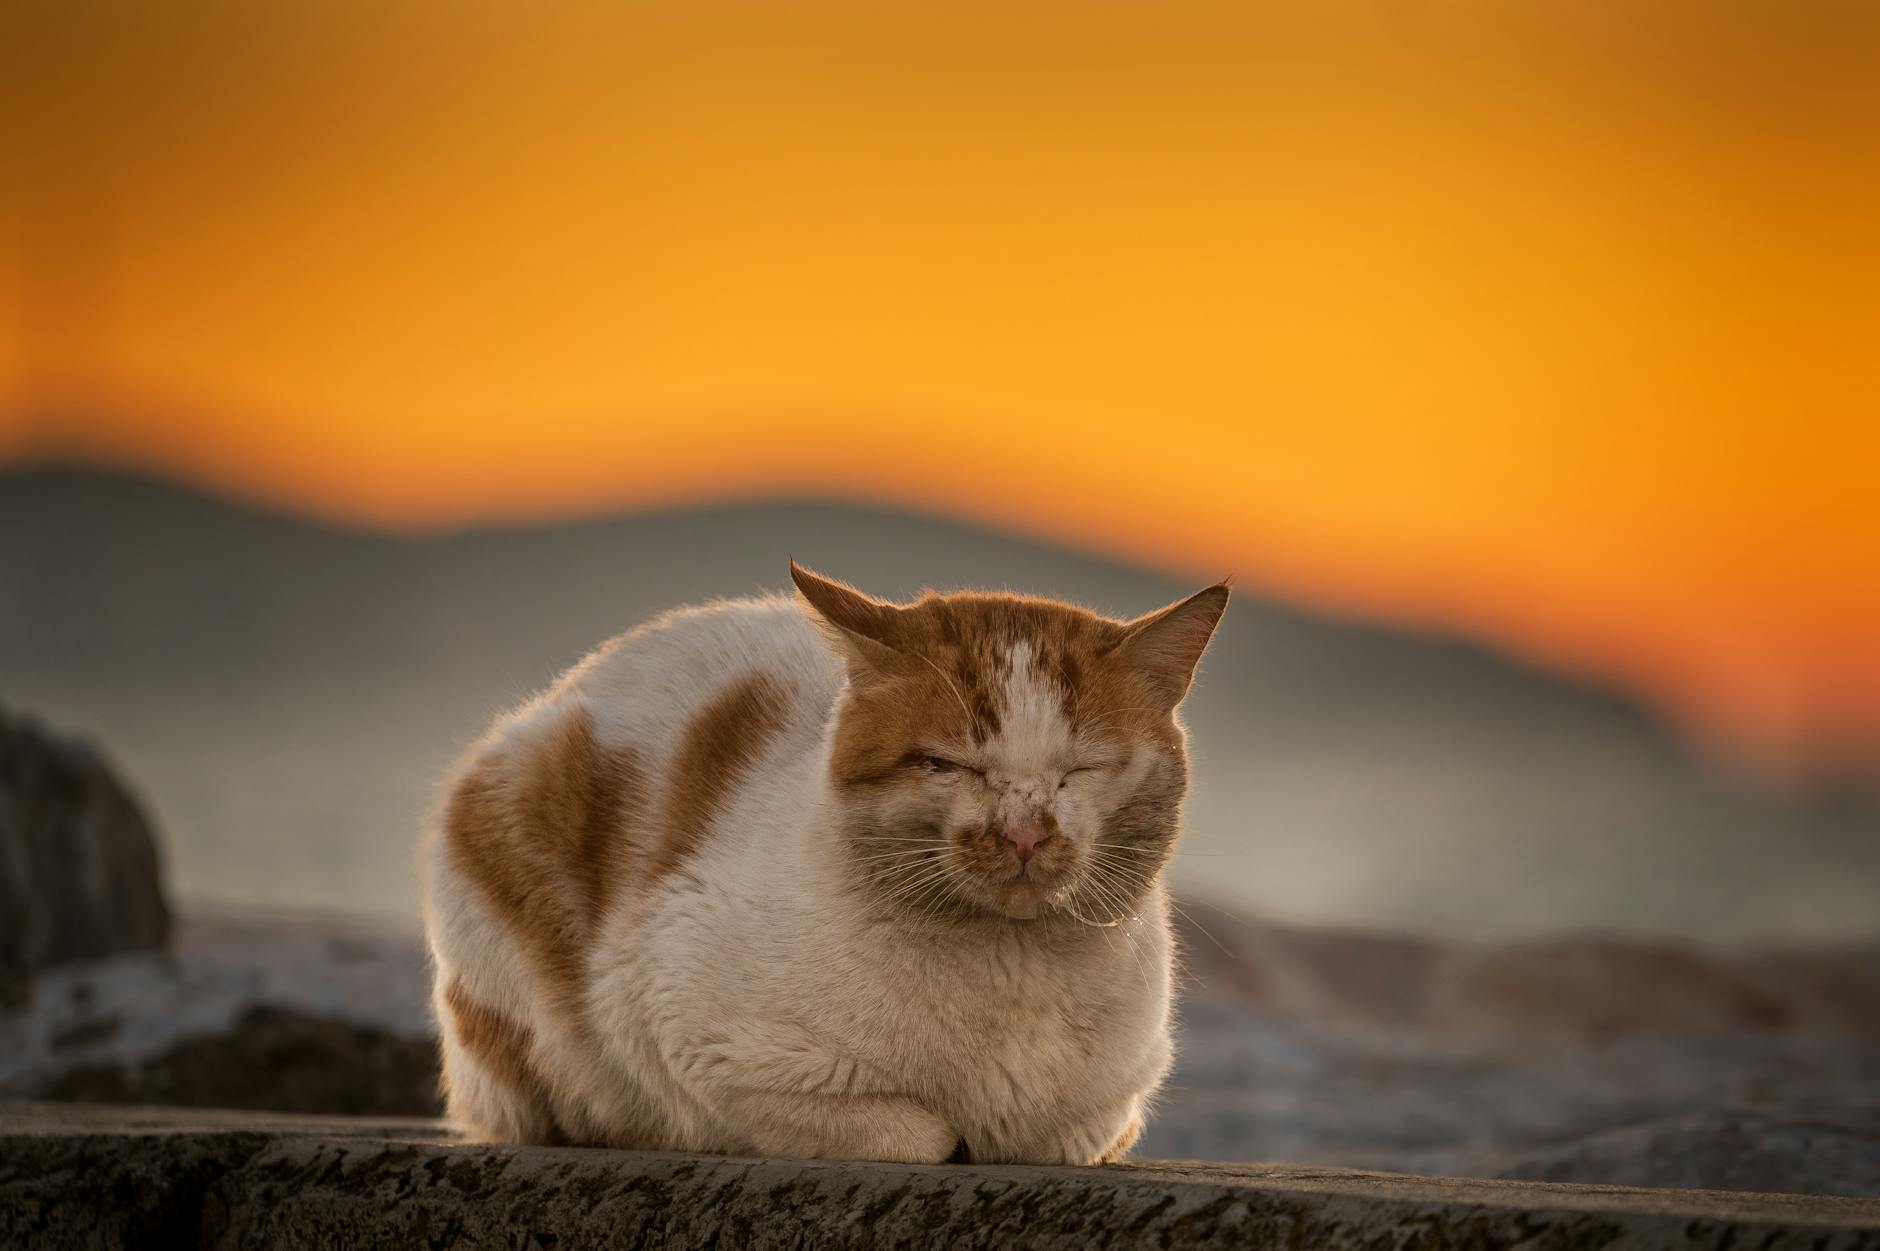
(96,1176)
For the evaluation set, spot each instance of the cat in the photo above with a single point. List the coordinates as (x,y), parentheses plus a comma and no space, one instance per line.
(824,877)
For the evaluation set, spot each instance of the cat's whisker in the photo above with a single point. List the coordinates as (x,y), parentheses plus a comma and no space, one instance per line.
(926,900)
(914,900)
(1143,866)
(893,855)
(1117,891)
(906,875)
(1119,851)
(899,887)
(1127,936)
(1110,859)
(1126,880)
(916,878)
(1112,714)
(913,856)
(1190,918)
(908,867)
(1109,892)
(890,859)
(886,865)
(1098,883)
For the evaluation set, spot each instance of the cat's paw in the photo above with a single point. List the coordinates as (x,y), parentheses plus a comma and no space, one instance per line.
(1124,1141)
(888,1128)
(912,1135)
(1095,1141)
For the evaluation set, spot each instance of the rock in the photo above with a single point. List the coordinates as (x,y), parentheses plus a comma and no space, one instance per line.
(1590,987)
(1824,1150)
(274,1059)
(1587,1059)
(1570,988)
(79,871)
(300,1014)
(88,1176)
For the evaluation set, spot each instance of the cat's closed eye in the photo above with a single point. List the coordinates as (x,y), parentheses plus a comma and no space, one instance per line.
(942,764)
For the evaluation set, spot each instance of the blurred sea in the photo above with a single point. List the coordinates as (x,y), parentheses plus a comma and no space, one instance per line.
(285,696)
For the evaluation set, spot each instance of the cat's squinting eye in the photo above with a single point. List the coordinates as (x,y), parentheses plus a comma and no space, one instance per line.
(1071,773)
(940,764)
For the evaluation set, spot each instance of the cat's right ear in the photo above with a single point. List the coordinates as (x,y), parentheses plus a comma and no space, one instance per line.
(859,627)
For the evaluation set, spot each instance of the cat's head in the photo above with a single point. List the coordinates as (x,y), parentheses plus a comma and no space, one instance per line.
(1013,755)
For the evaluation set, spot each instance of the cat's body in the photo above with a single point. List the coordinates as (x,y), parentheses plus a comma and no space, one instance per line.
(706,894)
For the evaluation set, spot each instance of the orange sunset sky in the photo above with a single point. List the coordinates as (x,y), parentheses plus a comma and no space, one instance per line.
(1553,323)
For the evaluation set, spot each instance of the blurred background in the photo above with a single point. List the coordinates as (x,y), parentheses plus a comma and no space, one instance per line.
(362,364)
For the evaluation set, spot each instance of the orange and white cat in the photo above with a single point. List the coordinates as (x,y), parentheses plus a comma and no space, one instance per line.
(826,877)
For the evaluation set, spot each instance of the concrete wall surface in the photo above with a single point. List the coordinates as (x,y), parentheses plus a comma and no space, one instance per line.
(97,1176)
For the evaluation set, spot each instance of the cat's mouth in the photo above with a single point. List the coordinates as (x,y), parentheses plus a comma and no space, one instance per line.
(1002,881)
(1029,889)
(1031,873)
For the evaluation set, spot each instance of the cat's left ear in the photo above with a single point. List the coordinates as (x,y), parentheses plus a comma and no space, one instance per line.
(861,628)
(1166,645)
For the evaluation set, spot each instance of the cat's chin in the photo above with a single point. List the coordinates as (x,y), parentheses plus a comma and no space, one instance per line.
(1016,892)
(1023,901)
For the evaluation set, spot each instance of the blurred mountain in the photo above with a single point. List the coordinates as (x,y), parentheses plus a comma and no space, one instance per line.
(286,694)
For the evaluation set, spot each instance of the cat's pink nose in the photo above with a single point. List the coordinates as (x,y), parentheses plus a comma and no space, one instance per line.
(1027,836)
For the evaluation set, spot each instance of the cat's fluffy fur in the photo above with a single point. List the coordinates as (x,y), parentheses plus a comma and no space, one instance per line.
(749,880)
